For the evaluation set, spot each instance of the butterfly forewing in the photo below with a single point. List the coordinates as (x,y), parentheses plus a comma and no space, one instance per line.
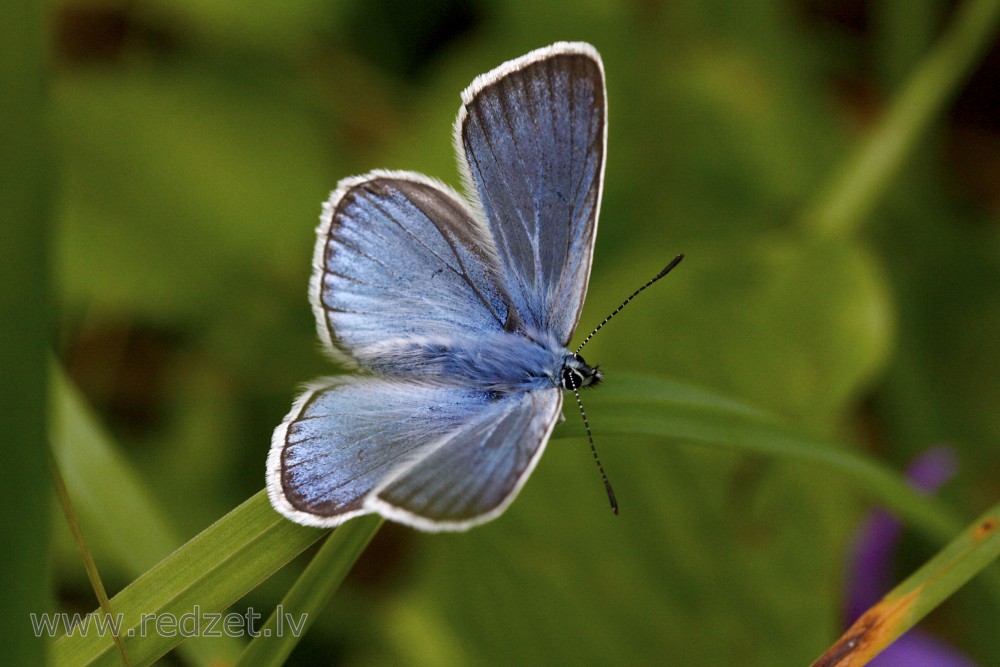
(533,136)
(401,257)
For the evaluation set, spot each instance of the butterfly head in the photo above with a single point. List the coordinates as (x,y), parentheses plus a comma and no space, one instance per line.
(576,373)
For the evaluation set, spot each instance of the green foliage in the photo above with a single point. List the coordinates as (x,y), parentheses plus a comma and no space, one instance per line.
(195,143)
(27,185)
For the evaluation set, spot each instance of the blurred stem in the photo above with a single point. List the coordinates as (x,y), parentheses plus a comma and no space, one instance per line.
(903,32)
(26,193)
(312,591)
(855,189)
(88,560)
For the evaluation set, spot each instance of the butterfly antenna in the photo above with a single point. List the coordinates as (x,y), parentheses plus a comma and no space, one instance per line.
(665,271)
(593,450)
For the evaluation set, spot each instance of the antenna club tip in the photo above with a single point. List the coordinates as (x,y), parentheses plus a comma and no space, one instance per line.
(674,262)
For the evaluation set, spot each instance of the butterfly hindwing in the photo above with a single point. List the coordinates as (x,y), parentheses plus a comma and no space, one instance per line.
(437,458)
(531,136)
(473,474)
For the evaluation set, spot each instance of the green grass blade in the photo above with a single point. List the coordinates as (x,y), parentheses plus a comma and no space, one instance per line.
(967,555)
(113,503)
(311,592)
(27,186)
(656,407)
(649,406)
(206,575)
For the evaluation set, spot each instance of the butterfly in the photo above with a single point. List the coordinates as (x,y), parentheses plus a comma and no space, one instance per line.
(456,311)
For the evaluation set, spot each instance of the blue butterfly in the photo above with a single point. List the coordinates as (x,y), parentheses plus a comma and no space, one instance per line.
(457,311)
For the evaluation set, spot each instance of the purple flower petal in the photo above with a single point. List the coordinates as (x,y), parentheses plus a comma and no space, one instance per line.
(932,469)
(869,573)
(916,649)
(869,566)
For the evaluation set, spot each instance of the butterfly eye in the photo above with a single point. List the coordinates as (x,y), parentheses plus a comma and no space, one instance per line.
(571,378)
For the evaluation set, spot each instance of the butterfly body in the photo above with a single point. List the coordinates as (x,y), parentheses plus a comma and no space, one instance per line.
(503,362)
(456,310)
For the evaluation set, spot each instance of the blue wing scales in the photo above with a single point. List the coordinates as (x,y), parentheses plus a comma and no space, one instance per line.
(400,257)
(531,136)
(437,458)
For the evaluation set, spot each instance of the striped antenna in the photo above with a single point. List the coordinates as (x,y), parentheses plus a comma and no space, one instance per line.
(593,449)
(665,271)
(576,389)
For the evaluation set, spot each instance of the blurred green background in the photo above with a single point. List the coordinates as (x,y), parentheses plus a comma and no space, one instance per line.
(193,142)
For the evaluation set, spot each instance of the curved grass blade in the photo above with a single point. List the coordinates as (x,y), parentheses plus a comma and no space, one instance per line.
(650,406)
